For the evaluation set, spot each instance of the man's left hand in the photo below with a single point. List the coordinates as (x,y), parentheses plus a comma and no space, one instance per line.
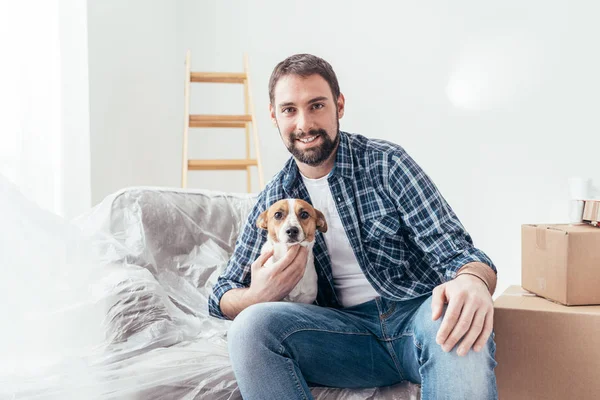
(470,313)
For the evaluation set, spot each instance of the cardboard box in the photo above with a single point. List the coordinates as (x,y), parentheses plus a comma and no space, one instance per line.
(591,212)
(562,262)
(545,350)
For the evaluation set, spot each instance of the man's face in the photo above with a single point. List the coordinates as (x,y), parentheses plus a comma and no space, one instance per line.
(307,117)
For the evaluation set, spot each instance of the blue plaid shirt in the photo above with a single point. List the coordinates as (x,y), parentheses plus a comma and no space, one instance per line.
(405,236)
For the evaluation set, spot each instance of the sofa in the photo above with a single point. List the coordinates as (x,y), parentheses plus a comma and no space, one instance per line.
(162,249)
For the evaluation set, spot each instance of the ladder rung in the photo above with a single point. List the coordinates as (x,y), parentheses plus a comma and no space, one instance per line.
(240,164)
(218,77)
(219,121)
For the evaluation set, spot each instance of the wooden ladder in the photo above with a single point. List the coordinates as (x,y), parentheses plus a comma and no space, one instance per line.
(221,121)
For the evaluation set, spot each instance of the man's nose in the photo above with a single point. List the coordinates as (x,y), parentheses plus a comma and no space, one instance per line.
(304,123)
(292,231)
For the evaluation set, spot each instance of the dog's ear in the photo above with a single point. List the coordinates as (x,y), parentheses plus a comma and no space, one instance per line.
(261,221)
(321,223)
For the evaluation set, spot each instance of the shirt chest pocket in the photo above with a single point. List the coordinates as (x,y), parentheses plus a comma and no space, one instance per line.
(379,228)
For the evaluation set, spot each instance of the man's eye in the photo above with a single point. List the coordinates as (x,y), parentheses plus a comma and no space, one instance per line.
(318,106)
(304,215)
(287,110)
(278,215)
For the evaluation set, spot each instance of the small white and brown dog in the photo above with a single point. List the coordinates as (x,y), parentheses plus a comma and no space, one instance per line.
(292,222)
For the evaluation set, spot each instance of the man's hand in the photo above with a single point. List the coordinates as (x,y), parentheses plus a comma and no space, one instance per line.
(470,313)
(270,283)
(276,281)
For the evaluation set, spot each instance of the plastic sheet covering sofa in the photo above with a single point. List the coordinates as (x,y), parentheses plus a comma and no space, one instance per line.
(135,324)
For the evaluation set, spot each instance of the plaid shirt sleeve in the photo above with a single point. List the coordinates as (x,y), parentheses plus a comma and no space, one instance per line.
(237,272)
(431,224)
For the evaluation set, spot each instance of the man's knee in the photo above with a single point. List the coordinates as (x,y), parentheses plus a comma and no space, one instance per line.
(425,329)
(425,334)
(249,324)
(471,364)
(258,325)
(471,375)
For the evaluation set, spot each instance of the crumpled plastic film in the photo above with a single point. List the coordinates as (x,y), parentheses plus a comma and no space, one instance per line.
(114,304)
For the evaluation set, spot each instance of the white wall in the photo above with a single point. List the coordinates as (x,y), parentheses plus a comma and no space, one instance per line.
(498,104)
(136,94)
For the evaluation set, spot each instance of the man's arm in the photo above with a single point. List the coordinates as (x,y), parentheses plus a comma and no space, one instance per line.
(271,283)
(469,316)
(432,224)
(235,301)
(237,274)
(470,275)
(481,271)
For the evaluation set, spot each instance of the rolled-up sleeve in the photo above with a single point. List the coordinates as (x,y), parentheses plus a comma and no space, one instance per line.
(238,270)
(430,222)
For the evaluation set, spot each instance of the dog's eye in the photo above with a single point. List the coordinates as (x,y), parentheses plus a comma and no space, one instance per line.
(304,215)
(278,215)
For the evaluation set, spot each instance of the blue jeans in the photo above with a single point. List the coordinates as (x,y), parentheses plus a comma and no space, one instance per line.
(278,349)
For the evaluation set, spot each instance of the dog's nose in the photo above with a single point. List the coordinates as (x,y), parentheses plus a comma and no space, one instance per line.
(292,231)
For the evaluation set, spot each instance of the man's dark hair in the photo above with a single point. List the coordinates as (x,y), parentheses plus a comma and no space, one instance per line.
(304,65)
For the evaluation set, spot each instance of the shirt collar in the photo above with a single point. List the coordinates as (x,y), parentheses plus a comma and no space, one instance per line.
(343,165)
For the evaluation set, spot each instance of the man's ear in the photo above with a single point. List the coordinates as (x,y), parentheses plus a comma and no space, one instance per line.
(321,223)
(261,221)
(272,114)
(341,105)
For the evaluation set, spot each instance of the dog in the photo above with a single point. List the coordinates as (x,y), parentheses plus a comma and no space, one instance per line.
(292,222)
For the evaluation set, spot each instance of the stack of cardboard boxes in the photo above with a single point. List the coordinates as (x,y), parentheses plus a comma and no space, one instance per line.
(548,330)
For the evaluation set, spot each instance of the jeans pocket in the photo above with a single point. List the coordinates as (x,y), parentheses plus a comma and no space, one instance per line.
(387,308)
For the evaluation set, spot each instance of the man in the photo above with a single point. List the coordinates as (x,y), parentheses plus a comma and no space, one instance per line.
(403,294)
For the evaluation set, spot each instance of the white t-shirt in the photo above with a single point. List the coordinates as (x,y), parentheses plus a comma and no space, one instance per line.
(350,283)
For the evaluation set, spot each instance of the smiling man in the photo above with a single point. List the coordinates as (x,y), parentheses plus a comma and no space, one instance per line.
(403,293)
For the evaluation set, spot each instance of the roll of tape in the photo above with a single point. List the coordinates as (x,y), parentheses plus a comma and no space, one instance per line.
(576,211)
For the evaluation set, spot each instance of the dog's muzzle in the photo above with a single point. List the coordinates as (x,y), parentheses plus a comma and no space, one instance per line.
(292,233)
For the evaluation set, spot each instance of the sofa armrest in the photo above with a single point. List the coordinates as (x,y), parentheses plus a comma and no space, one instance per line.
(149,226)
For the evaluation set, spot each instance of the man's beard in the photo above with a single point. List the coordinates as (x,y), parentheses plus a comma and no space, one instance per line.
(317,155)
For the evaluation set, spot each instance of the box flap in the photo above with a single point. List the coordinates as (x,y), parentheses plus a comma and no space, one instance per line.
(517,298)
(566,228)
